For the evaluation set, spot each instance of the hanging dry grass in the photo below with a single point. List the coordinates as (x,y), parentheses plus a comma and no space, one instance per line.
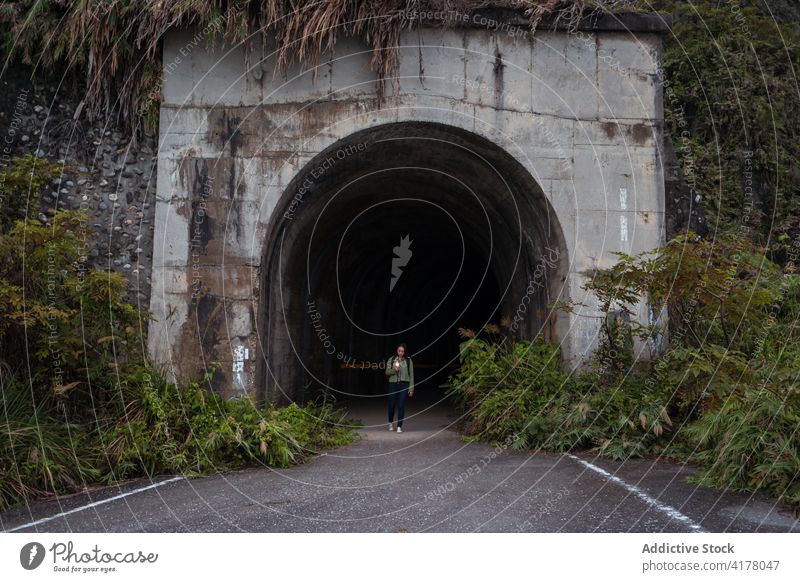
(116,44)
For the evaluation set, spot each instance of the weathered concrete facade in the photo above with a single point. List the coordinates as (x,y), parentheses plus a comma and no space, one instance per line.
(528,160)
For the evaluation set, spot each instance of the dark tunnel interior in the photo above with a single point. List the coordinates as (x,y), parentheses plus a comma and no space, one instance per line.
(404,233)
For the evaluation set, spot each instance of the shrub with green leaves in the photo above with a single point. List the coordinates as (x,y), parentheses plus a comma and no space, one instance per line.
(751,442)
(40,452)
(186,429)
(623,420)
(21,185)
(152,427)
(79,404)
(723,394)
(70,322)
(491,374)
(730,104)
(517,393)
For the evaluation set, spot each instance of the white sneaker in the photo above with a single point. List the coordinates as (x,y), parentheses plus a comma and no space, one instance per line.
(390,427)
(399,429)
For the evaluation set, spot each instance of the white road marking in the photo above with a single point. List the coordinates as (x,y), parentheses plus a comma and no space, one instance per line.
(662,507)
(95,504)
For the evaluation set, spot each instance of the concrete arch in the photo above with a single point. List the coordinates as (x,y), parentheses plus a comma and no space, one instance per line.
(514,256)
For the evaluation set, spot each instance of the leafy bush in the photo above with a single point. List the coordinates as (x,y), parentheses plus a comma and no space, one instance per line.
(80,406)
(730,370)
(713,290)
(751,442)
(624,420)
(153,427)
(503,384)
(39,453)
(723,393)
(187,430)
(21,185)
(70,321)
(715,53)
(518,394)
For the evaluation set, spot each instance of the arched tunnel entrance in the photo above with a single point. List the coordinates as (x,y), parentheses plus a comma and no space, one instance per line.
(402,233)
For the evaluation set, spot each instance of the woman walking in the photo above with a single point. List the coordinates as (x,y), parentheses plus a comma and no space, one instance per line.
(400,371)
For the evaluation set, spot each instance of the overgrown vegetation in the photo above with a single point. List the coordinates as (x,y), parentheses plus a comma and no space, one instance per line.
(730,101)
(116,44)
(24,174)
(729,73)
(149,426)
(517,394)
(722,392)
(80,406)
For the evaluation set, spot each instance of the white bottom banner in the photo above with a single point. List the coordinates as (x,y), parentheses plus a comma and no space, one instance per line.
(617,557)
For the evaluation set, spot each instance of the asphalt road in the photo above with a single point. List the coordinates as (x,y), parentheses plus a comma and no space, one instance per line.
(425,479)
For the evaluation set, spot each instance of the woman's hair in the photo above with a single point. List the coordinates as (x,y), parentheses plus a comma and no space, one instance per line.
(405,349)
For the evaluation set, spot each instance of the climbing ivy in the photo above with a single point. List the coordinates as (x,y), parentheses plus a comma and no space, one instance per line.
(732,69)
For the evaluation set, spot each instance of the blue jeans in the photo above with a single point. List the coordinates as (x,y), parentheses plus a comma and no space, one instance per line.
(398,392)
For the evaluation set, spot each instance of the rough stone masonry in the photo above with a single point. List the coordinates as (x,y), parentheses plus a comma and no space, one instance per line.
(102,172)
